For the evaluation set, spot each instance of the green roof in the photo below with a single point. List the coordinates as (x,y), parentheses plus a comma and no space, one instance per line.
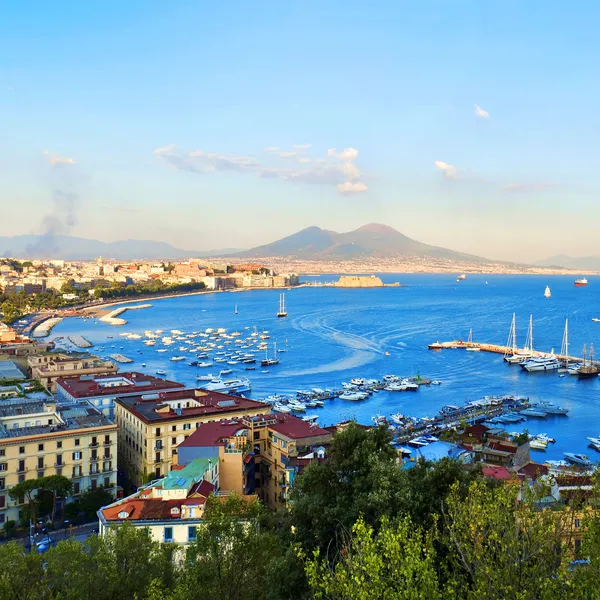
(190,474)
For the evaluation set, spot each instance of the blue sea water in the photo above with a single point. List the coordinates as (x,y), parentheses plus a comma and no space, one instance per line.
(332,335)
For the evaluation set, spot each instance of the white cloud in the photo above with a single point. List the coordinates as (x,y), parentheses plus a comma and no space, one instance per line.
(58,160)
(350,187)
(346,154)
(302,146)
(272,149)
(340,172)
(449,171)
(484,114)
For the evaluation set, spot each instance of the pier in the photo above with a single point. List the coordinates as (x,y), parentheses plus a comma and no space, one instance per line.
(121,358)
(80,341)
(113,316)
(499,349)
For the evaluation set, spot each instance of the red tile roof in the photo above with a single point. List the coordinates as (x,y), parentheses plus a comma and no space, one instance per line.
(533,470)
(500,473)
(295,428)
(503,447)
(88,387)
(476,430)
(213,434)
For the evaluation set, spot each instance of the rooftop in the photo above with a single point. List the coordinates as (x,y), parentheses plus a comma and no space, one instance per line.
(9,370)
(117,384)
(295,428)
(184,404)
(215,433)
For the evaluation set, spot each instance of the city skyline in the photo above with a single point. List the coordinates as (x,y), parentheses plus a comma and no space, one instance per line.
(468,127)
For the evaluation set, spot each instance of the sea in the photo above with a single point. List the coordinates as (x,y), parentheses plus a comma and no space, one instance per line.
(332,335)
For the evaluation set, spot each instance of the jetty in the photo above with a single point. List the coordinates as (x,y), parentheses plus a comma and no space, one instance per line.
(121,358)
(113,316)
(500,349)
(44,328)
(80,341)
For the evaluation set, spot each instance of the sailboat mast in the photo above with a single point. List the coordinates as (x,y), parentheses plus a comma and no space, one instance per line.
(531,334)
(566,342)
(514,334)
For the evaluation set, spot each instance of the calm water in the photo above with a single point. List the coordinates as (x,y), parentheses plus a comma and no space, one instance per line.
(332,335)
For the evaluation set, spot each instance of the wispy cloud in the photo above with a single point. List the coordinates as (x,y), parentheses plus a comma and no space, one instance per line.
(528,187)
(480,112)
(272,149)
(58,160)
(338,170)
(349,187)
(449,171)
(302,146)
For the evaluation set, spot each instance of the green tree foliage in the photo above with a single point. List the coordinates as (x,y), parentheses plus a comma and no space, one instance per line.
(155,286)
(91,501)
(397,562)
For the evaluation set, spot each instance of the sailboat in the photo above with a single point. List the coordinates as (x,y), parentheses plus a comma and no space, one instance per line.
(470,347)
(564,349)
(236,310)
(512,355)
(588,369)
(269,362)
(547,292)
(282,312)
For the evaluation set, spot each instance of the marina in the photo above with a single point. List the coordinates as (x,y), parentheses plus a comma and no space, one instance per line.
(373,333)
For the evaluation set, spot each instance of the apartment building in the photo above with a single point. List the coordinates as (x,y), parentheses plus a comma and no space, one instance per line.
(102,390)
(171,509)
(151,426)
(39,438)
(259,454)
(50,366)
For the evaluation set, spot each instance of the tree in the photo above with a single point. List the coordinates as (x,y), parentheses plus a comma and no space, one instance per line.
(28,490)
(229,557)
(361,477)
(397,562)
(21,575)
(91,501)
(59,486)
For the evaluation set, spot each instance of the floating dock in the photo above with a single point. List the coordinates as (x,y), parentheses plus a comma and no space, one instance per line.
(498,349)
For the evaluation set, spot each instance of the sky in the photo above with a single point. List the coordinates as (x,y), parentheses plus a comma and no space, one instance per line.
(469,125)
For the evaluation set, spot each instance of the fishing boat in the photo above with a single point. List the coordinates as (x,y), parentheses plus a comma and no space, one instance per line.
(282,312)
(581,282)
(461,277)
(547,292)
(470,346)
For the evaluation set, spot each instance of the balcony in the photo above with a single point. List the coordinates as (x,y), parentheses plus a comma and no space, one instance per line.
(95,458)
(77,473)
(94,444)
(107,442)
(59,465)
(107,456)
(94,471)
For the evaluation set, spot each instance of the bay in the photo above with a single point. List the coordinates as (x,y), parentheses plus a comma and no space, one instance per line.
(332,335)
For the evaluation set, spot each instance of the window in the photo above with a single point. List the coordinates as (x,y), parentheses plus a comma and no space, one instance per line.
(187,426)
(76,455)
(94,441)
(21,478)
(173,427)
(40,447)
(2,466)
(257,435)
(59,461)
(21,449)
(21,465)
(76,487)
(107,482)
(2,518)
(157,457)
(77,441)
(173,440)
(2,483)
(107,439)
(40,462)
(157,432)
(168,534)
(58,445)
(94,484)
(191,534)
(2,452)
(577,523)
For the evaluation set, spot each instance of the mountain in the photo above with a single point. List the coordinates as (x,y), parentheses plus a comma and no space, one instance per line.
(75,248)
(373,240)
(585,263)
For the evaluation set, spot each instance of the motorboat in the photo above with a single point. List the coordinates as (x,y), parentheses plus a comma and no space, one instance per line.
(395,387)
(550,409)
(435,346)
(436,382)
(530,412)
(225,371)
(160,372)
(208,377)
(177,358)
(310,418)
(353,396)
(547,292)
(205,364)
(357,381)
(409,385)
(228,386)
(541,363)
(578,459)
(281,408)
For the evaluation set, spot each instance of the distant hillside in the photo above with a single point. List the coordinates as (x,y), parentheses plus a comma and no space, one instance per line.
(585,263)
(373,240)
(75,248)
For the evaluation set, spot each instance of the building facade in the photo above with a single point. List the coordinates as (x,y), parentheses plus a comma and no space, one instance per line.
(151,426)
(38,439)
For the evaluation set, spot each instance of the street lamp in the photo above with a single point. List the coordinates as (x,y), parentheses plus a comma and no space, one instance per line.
(65,525)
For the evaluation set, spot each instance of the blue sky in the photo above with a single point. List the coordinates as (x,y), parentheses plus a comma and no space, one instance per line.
(158,116)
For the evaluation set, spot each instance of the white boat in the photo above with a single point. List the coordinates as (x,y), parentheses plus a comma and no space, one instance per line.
(436,382)
(205,364)
(409,385)
(228,386)
(357,381)
(282,312)
(542,363)
(547,292)
(352,396)
(160,372)
(310,418)
(470,347)
(461,277)
(226,372)
(177,358)
(208,377)
(281,408)
(395,387)
(435,346)
(538,444)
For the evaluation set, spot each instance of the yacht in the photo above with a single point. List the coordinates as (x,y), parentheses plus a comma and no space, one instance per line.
(353,396)
(208,377)
(310,418)
(547,292)
(461,277)
(551,409)
(578,459)
(538,444)
(281,408)
(228,386)
(395,387)
(282,312)
(542,363)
